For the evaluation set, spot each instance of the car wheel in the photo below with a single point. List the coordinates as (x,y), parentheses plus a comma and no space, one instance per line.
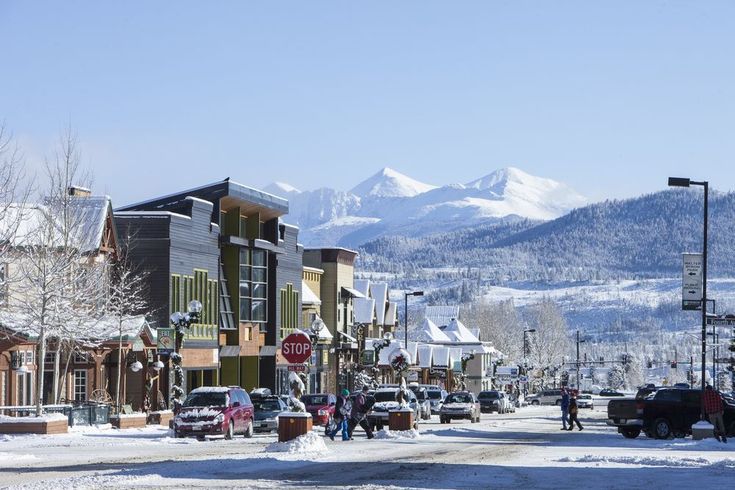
(472,419)
(230,431)
(558,403)
(249,431)
(630,432)
(535,402)
(662,428)
(201,438)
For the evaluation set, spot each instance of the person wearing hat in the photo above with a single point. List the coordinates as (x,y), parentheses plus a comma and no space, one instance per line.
(342,411)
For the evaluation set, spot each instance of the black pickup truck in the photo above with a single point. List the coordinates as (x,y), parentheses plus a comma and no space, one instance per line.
(664,413)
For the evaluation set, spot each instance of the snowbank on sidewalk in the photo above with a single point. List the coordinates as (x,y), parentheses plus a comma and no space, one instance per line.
(43,418)
(311,443)
(397,434)
(11,459)
(666,461)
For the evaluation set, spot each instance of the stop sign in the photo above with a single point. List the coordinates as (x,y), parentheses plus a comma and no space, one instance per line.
(296,348)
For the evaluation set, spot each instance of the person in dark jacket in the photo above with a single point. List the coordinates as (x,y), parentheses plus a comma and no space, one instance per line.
(359,413)
(573,411)
(342,411)
(564,408)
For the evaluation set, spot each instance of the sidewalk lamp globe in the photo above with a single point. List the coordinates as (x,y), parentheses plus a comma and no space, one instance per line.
(388,336)
(176,317)
(158,365)
(195,307)
(136,366)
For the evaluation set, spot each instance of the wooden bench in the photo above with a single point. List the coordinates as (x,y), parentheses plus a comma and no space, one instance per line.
(54,426)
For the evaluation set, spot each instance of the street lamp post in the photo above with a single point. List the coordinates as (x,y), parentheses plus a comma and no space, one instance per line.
(525,359)
(181,323)
(405,311)
(685,182)
(578,342)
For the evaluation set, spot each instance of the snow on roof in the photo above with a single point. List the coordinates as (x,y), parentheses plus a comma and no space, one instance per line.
(362,285)
(425,354)
(457,332)
(385,352)
(307,295)
(87,223)
(429,332)
(390,314)
(441,356)
(441,314)
(211,389)
(363,309)
(379,292)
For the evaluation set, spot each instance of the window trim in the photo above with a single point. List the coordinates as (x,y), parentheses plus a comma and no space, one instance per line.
(76,384)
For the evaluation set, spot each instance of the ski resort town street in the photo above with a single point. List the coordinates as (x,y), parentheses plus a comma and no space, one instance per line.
(521,450)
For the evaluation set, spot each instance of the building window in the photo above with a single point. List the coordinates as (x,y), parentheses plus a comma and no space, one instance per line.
(25,388)
(81,357)
(253,285)
(80,385)
(29,357)
(289,310)
(3,284)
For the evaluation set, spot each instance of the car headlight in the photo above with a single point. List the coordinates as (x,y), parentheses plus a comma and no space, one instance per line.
(178,420)
(219,418)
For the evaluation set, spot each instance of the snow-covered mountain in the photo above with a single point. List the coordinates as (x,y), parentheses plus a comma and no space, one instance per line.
(390,203)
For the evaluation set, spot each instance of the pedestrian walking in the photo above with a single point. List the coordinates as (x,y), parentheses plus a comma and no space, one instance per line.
(573,411)
(359,413)
(342,411)
(564,408)
(713,407)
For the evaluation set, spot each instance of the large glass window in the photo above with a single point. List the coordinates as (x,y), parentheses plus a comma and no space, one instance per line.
(80,385)
(253,285)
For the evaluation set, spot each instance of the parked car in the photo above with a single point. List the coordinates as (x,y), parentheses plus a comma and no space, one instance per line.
(215,410)
(545,397)
(495,401)
(423,399)
(665,413)
(585,401)
(320,406)
(267,408)
(610,393)
(460,405)
(385,400)
(436,397)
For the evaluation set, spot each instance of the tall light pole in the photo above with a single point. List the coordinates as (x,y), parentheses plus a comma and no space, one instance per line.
(685,182)
(405,311)
(578,342)
(525,362)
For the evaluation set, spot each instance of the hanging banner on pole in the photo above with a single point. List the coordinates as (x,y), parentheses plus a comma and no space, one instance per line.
(691,284)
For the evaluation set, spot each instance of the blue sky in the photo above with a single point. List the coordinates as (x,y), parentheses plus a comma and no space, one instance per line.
(609,97)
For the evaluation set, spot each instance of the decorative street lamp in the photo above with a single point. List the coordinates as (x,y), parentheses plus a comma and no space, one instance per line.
(405,310)
(525,360)
(685,182)
(181,323)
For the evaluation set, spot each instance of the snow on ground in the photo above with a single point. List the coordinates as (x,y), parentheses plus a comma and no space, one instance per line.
(310,445)
(521,450)
(397,434)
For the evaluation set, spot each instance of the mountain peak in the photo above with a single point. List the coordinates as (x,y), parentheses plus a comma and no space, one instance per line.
(281,188)
(390,183)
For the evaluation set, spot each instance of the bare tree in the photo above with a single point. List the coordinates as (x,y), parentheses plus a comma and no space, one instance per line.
(128,296)
(551,341)
(498,323)
(62,284)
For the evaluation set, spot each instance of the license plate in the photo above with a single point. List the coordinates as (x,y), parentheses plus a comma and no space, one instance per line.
(263,424)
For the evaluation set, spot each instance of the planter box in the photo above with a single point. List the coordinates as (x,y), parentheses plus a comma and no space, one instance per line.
(55,426)
(292,425)
(164,417)
(133,421)
(400,419)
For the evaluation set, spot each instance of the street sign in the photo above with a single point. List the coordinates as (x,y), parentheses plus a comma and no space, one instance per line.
(297,368)
(523,379)
(720,321)
(691,283)
(296,348)
(165,340)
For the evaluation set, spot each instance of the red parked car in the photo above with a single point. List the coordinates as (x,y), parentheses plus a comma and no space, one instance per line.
(215,410)
(320,406)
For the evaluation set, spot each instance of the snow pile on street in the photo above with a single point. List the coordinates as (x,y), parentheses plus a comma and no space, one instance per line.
(311,443)
(397,434)
(90,428)
(674,462)
(11,459)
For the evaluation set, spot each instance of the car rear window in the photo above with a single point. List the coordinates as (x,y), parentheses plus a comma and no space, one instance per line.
(459,398)
(267,405)
(488,395)
(314,399)
(385,396)
(434,394)
(206,399)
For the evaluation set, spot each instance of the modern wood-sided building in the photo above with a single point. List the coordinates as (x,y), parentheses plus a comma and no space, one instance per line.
(222,244)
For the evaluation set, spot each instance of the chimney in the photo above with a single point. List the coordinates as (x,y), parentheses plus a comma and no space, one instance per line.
(78,191)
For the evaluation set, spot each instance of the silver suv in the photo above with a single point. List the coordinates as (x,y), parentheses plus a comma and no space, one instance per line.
(545,397)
